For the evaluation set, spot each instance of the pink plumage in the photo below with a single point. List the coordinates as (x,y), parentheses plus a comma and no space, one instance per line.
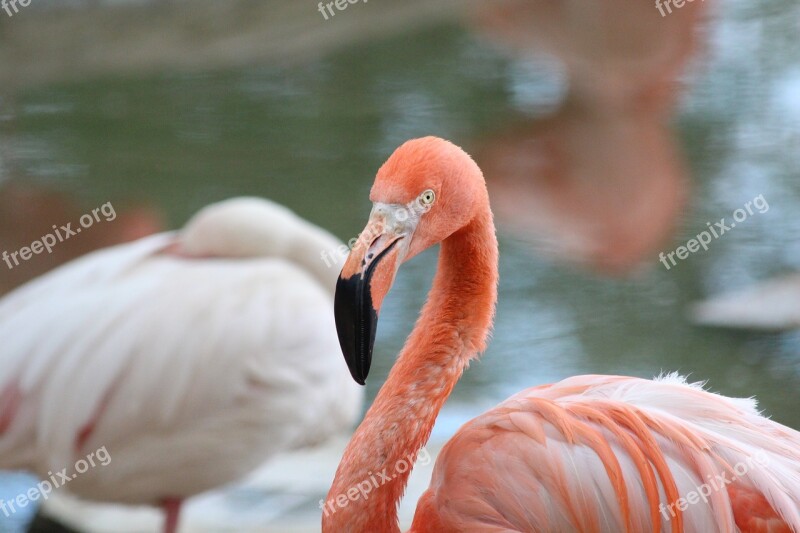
(607,453)
(589,454)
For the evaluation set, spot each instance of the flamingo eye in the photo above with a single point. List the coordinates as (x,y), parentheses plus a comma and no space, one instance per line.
(428,197)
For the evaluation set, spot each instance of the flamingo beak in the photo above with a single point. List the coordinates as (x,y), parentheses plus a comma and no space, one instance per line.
(366,278)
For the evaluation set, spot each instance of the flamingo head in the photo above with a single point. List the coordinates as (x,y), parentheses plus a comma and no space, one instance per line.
(426,191)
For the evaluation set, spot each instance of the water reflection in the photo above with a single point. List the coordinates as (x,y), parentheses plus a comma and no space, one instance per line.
(311,135)
(605,190)
(773,305)
(599,181)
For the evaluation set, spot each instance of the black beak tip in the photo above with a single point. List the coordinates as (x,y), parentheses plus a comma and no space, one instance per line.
(357,318)
(356,323)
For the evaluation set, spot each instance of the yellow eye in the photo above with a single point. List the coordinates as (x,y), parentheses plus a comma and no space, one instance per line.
(427,197)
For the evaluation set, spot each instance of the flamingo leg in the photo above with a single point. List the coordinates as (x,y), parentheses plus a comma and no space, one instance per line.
(172,512)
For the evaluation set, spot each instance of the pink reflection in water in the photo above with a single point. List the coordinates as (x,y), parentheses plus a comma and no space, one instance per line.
(600,182)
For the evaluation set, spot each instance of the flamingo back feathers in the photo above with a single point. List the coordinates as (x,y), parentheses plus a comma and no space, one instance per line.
(610,454)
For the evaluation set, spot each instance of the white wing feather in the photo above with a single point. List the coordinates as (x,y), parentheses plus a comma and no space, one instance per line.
(190,371)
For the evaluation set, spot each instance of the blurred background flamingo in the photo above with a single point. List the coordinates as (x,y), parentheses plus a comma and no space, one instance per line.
(191,357)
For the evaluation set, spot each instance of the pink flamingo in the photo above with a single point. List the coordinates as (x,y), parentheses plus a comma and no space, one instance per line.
(591,453)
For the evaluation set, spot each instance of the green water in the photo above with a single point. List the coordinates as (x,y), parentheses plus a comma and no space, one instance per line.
(311,136)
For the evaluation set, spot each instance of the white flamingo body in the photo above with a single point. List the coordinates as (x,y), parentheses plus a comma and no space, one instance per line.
(192,357)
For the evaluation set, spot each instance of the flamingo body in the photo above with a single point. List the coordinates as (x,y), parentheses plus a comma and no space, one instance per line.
(192,357)
(611,454)
(589,454)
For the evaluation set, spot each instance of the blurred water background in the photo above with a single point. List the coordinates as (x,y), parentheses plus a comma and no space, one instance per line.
(310,131)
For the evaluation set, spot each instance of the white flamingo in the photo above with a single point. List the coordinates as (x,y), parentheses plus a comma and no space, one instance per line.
(190,356)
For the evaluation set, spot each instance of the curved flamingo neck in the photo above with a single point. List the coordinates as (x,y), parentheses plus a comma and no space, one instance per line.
(452,329)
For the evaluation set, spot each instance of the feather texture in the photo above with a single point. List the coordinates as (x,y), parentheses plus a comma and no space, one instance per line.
(611,454)
(192,357)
